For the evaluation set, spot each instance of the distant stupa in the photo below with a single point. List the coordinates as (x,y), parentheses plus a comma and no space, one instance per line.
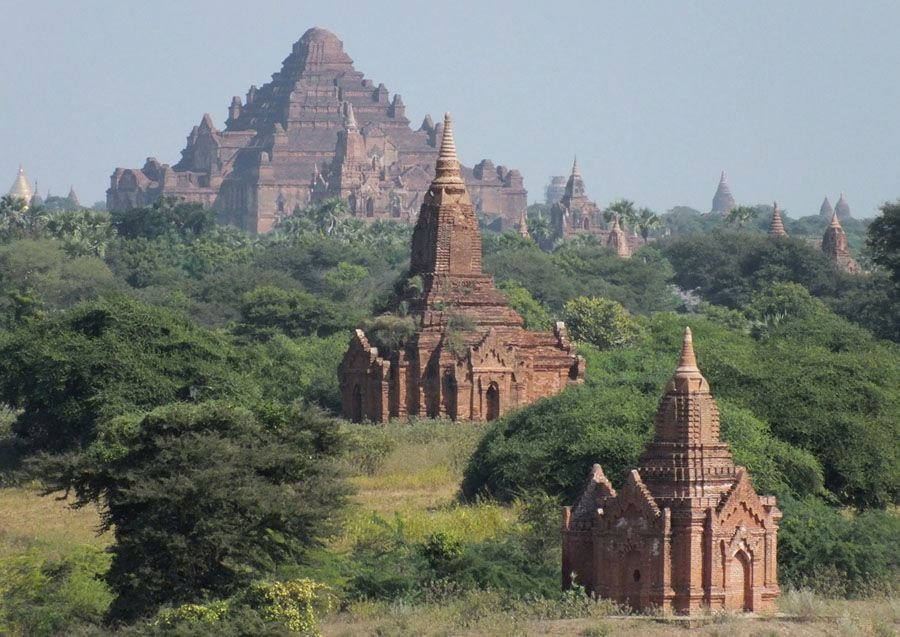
(776,226)
(842,208)
(723,201)
(20,187)
(826,210)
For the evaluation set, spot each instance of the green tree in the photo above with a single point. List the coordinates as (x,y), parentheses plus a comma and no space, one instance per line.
(69,374)
(646,221)
(600,322)
(205,498)
(884,240)
(624,209)
(268,309)
(534,314)
(166,217)
(741,215)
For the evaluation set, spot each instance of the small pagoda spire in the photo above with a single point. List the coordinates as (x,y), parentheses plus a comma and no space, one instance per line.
(20,187)
(575,170)
(73,196)
(723,200)
(523,226)
(826,210)
(687,364)
(617,239)
(447,168)
(842,208)
(835,222)
(776,227)
(349,117)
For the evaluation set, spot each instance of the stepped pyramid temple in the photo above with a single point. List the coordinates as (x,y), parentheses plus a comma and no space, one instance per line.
(722,201)
(470,358)
(834,245)
(686,532)
(776,225)
(319,129)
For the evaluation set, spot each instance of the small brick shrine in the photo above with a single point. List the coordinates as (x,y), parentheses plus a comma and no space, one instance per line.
(687,531)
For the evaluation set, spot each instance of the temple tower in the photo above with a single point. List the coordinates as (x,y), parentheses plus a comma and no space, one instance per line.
(842,208)
(834,245)
(470,358)
(686,532)
(20,187)
(722,201)
(776,225)
(618,240)
(575,213)
(825,210)
(523,226)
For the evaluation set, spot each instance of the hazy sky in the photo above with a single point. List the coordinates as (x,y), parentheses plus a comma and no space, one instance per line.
(795,100)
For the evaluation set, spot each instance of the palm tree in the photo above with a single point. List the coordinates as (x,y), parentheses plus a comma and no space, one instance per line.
(741,215)
(540,230)
(622,208)
(646,221)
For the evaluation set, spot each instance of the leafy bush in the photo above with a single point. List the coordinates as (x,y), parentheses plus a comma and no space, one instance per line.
(44,596)
(600,322)
(205,498)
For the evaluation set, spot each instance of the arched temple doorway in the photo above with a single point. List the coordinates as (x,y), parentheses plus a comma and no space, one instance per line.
(356,406)
(492,398)
(739,590)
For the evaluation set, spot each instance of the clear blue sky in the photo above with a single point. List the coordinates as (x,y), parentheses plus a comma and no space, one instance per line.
(795,100)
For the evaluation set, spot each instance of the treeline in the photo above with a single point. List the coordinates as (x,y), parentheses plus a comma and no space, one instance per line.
(181,375)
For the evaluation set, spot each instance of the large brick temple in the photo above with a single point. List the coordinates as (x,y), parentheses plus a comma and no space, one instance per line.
(319,129)
(687,531)
(469,358)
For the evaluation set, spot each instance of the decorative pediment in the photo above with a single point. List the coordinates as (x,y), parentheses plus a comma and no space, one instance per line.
(632,501)
(492,352)
(741,504)
(598,489)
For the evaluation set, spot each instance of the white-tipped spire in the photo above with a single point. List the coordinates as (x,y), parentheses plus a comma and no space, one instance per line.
(447,163)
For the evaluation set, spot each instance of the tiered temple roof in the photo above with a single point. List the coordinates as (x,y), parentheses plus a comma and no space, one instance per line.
(285,146)
(834,245)
(686,532)
(776,226)
(470,358)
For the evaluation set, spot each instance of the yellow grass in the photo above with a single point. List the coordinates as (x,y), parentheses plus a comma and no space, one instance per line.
(28,519)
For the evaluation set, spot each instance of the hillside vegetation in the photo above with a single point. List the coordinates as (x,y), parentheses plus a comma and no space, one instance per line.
(175,381)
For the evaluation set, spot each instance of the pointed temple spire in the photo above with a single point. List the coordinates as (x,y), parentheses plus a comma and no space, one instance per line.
(688,361)
(575,170)
(20,187)
(447,168)
(826,210)
(842,208)
(723,201)
(776,227)
(446,238)
(617,239)
(73,196)
(523,226)
(835,247)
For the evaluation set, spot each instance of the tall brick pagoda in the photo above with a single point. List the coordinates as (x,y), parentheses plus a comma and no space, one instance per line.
(776,225)
(723,201)
(834,245)
(319,129)
(470,358)
(687,531)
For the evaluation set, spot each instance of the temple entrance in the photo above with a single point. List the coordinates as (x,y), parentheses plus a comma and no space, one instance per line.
(632,580)
(739,591)
(493,402)
(356,406)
